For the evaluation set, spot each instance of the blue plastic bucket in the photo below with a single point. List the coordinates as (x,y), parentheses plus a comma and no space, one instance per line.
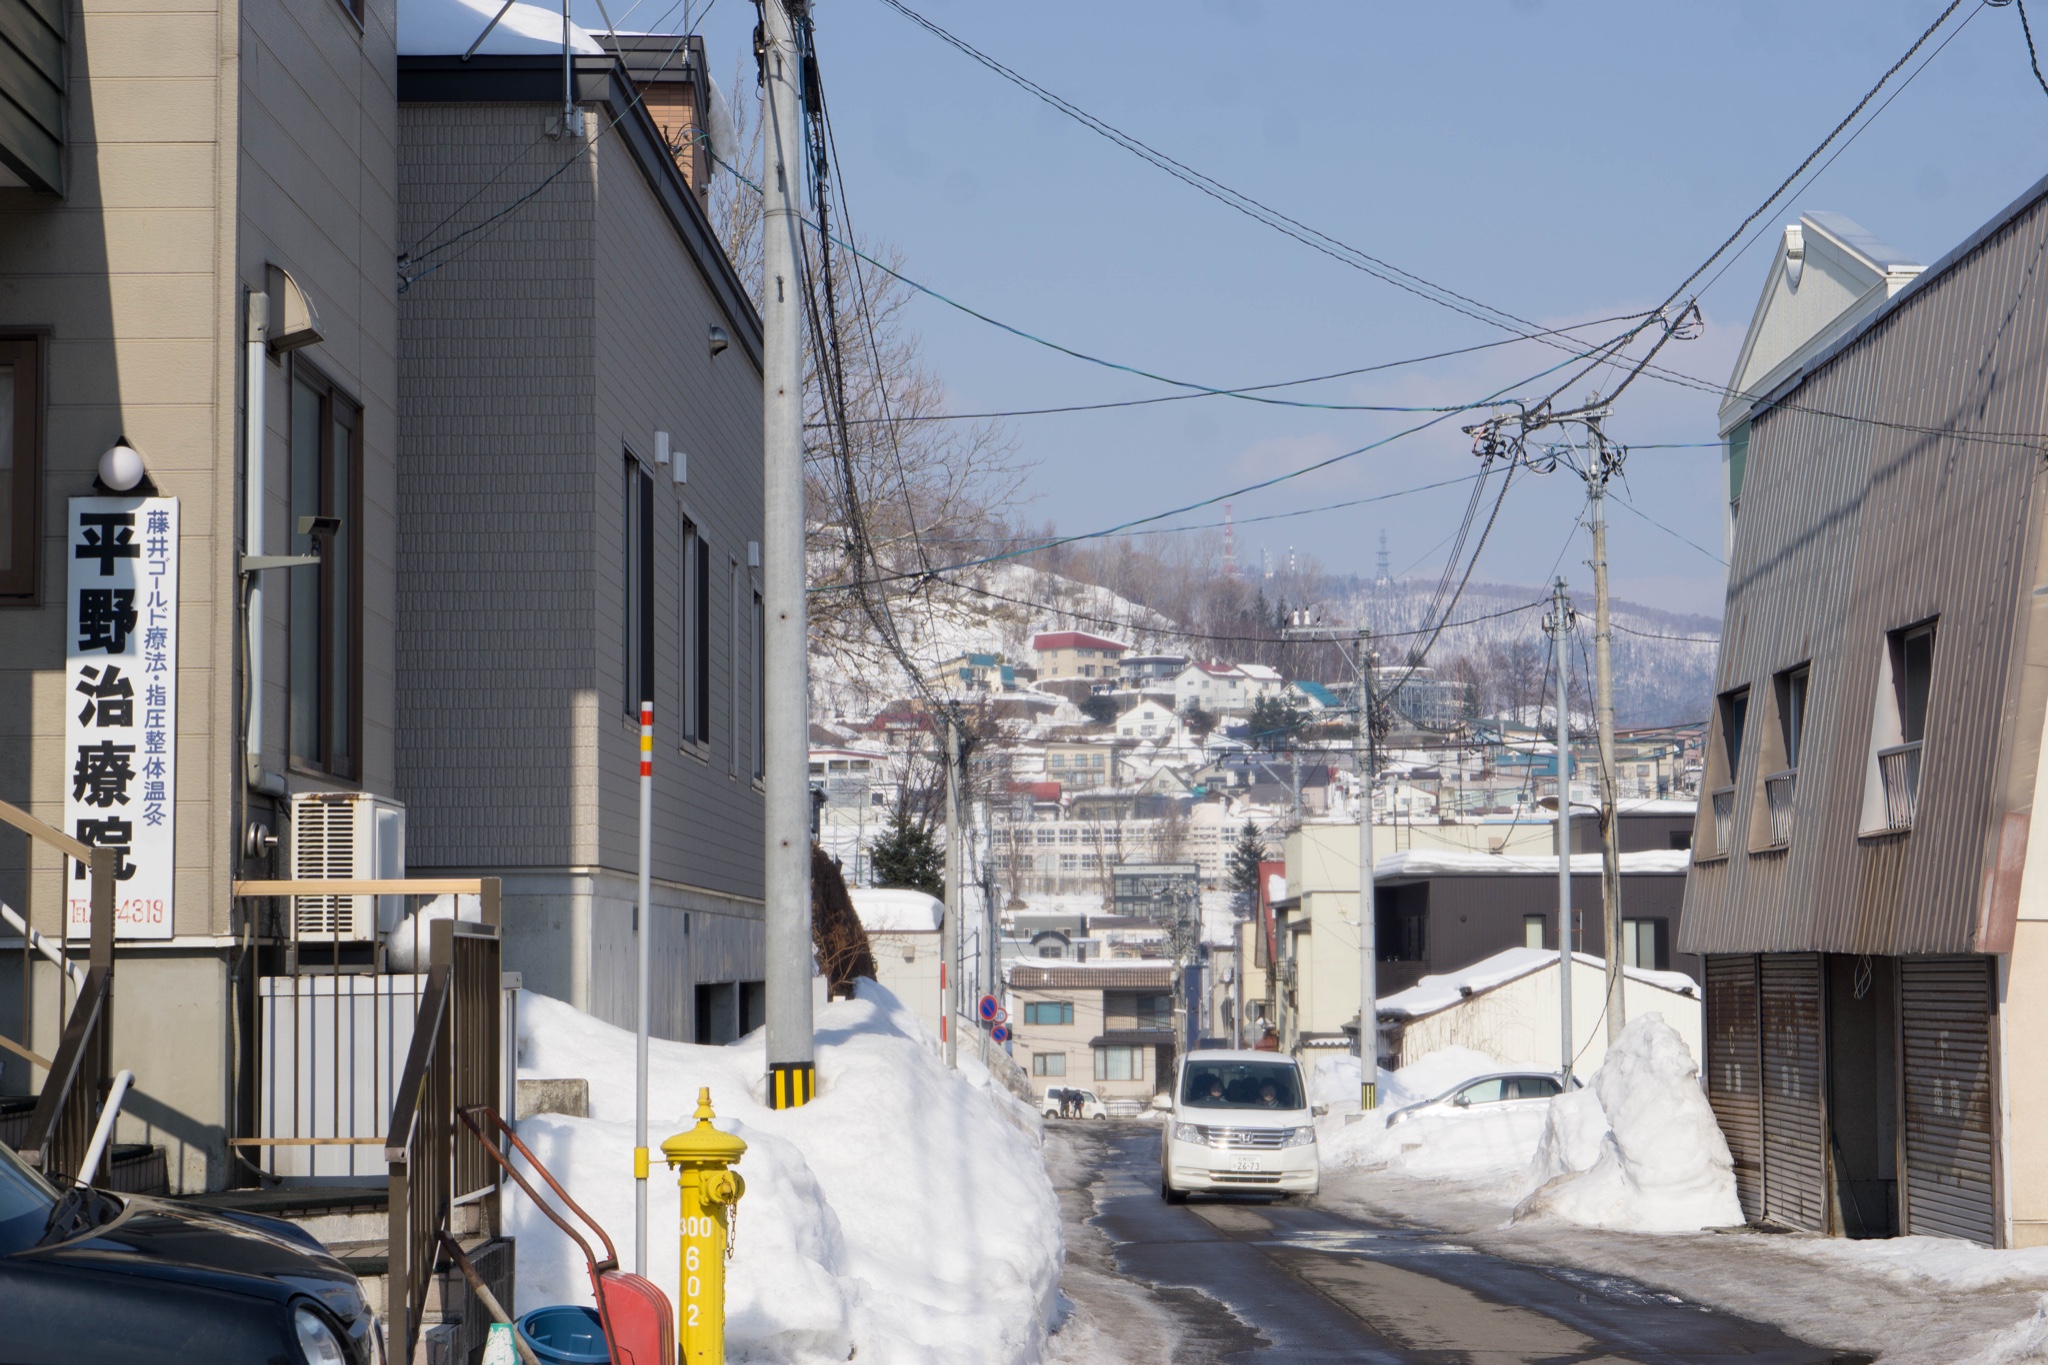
(565,1334)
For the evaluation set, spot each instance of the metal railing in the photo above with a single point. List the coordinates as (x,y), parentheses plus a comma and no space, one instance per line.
(1724,820)
(456,1055)
(1778,798)
(1899,769)
(77,1077)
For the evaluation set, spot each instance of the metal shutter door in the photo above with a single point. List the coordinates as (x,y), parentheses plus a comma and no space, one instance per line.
(1945,1014)
(1795,1163)
(1734,1072)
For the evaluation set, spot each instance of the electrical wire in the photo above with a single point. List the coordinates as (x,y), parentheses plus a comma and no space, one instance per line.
(1313,238)
(2033,57)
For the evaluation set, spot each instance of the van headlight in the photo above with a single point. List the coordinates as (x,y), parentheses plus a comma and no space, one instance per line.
(1190,1132)
(1302,1137)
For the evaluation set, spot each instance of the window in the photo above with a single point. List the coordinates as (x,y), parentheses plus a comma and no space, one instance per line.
(1734,716)
(1532,931)
(758,681)
(1056,760)
(1642,944)
(695,595)
(1479,1092)
(732,667)
(1792,710)
(636,587)
(1531,1087)
(1048,1063)
(21,463)
(1243,1085)
(1119,1064)
(1154,1011)
(325,642)
(1049,1011)
(1912,666)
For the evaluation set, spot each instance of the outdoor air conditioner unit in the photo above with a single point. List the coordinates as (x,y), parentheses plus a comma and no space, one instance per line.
(347,836)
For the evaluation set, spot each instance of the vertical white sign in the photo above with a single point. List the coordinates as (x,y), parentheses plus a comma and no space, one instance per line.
(121,700)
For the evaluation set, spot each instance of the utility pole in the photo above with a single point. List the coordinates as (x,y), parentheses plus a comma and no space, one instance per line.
(949,967)
(1368,890)
(1597,470)
(640,936)
(792,1068)
(1558,624)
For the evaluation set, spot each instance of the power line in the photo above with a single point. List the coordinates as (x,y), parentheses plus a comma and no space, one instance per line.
(1248,388)
(1237,200)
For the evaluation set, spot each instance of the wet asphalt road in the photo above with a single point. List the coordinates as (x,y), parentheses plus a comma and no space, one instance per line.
(1298,1283)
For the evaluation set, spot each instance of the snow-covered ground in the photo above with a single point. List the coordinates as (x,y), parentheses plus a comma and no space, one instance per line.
(1629,1176)
(904,1215)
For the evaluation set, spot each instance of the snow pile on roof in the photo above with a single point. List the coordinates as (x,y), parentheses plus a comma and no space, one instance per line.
(891,910)
(446,28)
(1662,1165)
(904,1214)
(1441,991)
(1448,862)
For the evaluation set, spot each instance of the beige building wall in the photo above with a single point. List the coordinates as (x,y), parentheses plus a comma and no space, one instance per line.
(205,142)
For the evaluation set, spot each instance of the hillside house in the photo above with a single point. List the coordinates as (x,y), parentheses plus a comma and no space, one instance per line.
(1064,654)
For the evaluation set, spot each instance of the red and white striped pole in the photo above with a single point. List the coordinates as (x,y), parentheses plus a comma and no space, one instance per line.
(640,928)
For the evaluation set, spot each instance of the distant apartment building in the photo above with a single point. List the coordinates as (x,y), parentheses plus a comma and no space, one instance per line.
(1107,1024)
(1063,654)
(974,673)
(1151,670)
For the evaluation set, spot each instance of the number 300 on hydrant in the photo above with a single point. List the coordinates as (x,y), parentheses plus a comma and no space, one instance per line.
(701,1159)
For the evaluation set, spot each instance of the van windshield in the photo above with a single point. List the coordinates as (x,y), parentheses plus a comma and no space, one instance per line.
(1242,1085)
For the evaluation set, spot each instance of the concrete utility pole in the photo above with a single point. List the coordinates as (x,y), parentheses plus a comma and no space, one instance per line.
(641,930)
(949,967)
(792,1070)
(1597,470)
(1558,624)
(1368,890)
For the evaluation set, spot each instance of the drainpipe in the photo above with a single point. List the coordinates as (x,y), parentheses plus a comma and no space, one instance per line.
(255,497)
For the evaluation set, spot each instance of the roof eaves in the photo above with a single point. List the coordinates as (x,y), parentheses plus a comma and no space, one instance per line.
(1991,228)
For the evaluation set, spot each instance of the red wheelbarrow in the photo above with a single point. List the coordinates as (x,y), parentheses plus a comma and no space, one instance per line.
(639,1326)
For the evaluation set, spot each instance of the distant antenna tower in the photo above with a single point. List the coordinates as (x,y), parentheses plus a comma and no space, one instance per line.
(1290,561)
(1267,556)
(1384,574)
(1229,544)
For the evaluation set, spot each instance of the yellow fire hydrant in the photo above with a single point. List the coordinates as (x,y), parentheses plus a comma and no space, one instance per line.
(710,1191)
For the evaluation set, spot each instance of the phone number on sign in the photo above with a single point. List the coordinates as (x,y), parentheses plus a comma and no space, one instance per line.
(133,913)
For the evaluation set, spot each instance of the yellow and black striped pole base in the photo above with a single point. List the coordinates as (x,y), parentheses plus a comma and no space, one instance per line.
(791,1084)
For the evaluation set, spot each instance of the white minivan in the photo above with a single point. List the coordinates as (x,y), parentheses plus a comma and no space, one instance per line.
(1240,1122)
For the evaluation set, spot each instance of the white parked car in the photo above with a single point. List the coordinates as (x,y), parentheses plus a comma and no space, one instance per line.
(1061,1101)
(1502,1089)
(1240,1123)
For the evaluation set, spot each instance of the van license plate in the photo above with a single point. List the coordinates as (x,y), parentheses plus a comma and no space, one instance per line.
(1246,1163)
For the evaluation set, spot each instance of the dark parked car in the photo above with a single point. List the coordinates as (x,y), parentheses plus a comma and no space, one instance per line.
(87,1275)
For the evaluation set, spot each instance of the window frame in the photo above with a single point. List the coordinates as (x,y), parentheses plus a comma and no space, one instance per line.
(693,618)
(757,657)
(1794,688)
(636,586)
(21,578)
(732,667)
(1901,643)
(1133,1056)
(330,760)
(1041,1064)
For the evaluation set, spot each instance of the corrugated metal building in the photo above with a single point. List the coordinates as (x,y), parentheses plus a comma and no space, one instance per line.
(1873,915)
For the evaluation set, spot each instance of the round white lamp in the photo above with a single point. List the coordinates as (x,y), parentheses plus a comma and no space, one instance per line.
(121,467)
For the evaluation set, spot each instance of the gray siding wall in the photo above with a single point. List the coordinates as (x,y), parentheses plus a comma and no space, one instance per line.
(1850,530)
(567,333)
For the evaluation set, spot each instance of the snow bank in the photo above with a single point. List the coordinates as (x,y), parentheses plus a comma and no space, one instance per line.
(1946,1261)
(1661,1165)
(2024,1344)
(904,1215)
(1479,1146)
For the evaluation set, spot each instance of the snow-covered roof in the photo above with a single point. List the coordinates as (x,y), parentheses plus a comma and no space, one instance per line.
(1433,993)
(1259,672)
(1658,806)
(1074,639)
(1446,862)
(446,28)
(891,910)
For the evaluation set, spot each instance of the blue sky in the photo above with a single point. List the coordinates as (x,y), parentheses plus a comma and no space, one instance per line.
(1560,161)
